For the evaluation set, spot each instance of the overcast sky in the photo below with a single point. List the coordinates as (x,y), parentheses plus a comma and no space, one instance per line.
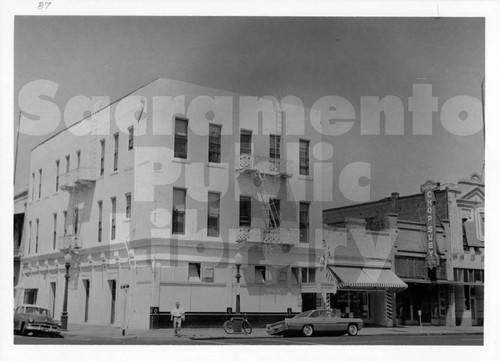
(305,57)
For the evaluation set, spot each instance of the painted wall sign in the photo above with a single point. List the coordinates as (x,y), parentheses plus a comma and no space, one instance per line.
(430,215)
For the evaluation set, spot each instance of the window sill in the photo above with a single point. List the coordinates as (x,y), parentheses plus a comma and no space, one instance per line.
(180,160)
(215,165)
(219,238)
(115,172)
(305,177)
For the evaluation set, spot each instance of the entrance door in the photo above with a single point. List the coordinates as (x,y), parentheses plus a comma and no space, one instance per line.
(112,288)
(52,298)
(86,286)
(308,301)
(30,296)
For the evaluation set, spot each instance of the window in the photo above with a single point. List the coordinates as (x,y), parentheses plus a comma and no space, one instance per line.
(214,143)
(179,211)
(295,276)
(274,146)
(115,157)
(304,222)
(464,235)
(113,218)
(245,211)
(213,214)
(33,186)
(304,157)
(57,175)
(78,158)
(36,236)
(65,218)
(30,296)
(131,138)
(308,275)
(40,183)
(180,146)
(128,205)
(75,220)
(67,163)
(314,314)
(54,231)
(260,274)
(246,142)
(194,273)
(103,149)
(282,277)
(467,297)
(458,274)
(274,213)
(99,224)
(29,243)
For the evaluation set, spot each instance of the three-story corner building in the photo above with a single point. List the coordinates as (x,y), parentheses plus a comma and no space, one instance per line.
(154,195)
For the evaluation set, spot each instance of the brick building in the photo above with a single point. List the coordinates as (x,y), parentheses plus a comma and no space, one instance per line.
(453,292)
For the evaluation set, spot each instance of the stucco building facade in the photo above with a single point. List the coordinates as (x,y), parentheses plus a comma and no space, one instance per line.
(154,194)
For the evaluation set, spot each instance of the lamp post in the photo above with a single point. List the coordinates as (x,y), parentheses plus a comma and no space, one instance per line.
(64,314)
(237,262)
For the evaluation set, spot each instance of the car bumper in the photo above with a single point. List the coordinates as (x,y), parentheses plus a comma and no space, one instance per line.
(49,329)
(277,329)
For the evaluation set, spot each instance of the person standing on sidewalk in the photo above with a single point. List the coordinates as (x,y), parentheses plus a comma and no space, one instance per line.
(177,315)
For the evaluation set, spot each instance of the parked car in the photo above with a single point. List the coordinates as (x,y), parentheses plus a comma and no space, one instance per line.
(315,322)
(35,319)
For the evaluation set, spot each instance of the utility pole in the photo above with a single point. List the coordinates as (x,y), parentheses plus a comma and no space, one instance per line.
(17,145)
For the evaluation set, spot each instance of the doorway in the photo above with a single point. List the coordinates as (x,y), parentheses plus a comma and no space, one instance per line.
(112,288)
(86,287)
(52,298)
(308,301)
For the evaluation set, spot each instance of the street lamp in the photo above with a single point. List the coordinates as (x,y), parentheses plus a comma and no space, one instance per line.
(64,314)
(238,321)
(237,262)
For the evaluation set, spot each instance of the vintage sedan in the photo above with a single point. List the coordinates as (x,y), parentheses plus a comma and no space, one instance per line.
(316,322)
(36,320)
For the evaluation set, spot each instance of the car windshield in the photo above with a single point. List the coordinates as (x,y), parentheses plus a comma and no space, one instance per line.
(38,311)
(303,314)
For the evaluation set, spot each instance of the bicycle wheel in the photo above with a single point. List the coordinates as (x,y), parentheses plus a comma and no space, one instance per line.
(229,327)
(247,328)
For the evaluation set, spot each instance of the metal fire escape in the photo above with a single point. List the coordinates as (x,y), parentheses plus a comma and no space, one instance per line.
(263,169)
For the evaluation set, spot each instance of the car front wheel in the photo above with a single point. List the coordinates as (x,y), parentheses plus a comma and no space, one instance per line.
(23,329)
(307,330)
(352,330)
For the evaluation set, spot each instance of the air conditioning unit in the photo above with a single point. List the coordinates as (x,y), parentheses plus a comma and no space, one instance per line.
(208,274)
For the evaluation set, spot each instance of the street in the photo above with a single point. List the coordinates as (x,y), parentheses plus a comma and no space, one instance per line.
(460,339)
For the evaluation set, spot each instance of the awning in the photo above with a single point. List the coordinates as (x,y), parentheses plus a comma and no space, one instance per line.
(471,234)
(360,277)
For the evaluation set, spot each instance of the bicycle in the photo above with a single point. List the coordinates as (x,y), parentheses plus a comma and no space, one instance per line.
(231,326)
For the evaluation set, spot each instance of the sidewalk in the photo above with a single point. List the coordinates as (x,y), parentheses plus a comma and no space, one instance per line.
(94,331)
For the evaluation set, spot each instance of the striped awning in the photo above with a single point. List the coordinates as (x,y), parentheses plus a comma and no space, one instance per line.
(360,277)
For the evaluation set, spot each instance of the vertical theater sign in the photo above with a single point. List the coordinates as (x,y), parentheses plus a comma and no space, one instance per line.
(430,225)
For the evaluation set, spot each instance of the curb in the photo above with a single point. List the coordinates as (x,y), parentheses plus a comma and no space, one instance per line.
(359,334)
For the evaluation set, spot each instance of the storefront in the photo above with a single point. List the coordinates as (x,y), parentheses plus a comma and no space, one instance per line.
(430,298)
(365,293)
(353,304)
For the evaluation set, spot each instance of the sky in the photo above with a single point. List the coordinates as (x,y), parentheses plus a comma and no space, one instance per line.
(306,57)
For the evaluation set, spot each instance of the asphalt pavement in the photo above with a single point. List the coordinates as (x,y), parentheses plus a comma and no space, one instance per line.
(401,335)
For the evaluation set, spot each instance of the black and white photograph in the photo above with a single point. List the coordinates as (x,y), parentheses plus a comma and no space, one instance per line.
(211,180)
